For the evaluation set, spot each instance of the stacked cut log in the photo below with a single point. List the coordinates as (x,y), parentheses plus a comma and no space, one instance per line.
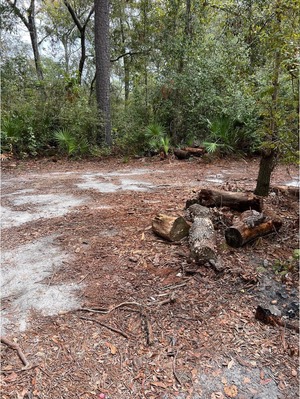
(250,225)
(169,227)
(234,200)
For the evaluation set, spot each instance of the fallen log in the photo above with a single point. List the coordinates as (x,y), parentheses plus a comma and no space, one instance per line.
(293,191)
(169,227)
(197,211)
(234,200)
(249,226)
(181,154)
(195,151)
(202,241)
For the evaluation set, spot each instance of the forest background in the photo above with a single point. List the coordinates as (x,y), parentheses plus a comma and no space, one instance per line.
(220,74)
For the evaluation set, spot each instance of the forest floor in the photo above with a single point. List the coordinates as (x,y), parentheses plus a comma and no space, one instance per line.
(101,307)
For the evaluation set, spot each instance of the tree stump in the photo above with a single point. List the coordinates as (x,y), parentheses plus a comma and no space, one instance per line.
(250,225)
(202,240)
(169,227)
(220,198)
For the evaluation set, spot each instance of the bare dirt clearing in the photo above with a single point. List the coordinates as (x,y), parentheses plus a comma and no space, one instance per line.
(78,235)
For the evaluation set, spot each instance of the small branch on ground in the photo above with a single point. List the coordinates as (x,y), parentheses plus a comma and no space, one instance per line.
(106,326)
(16,347)
(106,311)
(174,369)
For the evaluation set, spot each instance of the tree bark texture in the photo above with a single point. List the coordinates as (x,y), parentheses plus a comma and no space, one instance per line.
(103,65)
(250,225)
(233,200)
(169,227)
(202,240)
(266,166)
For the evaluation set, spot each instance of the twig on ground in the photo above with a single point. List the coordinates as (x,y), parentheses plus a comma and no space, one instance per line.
(16,347)
(148,329)
(174,369)
(80,281)
(106,326)
(106,311)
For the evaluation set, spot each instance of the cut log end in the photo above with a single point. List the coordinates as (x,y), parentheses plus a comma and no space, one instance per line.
(170,228)
(249,228)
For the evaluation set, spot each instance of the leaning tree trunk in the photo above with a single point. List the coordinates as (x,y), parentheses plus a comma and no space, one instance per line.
(103,66)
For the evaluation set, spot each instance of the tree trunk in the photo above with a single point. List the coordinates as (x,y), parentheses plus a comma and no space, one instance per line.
(29,22)
(269,155)
(169,227)
(266,166)
(103,66)
(125,63)
(34,40)
(81,28)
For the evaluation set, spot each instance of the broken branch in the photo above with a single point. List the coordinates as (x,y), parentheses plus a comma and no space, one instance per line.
(106,326)
(16,347)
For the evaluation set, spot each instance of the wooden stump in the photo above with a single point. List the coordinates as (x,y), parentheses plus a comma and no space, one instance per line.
(250,225)
(234,200)
(169,227)
(202,240)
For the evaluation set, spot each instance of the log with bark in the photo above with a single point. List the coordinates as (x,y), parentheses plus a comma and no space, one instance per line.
(202,240)
(186,152)
(169,227)
(181,154)
(197,211)
(234,200)
(250,225)
(195,151)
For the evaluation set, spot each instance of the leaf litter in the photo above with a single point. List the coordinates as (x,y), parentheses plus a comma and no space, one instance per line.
(192,335)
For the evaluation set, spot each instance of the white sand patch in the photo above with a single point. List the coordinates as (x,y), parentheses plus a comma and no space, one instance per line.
(26,282)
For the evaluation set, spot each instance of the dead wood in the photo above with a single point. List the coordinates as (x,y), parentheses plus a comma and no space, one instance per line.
(250,225)
(234,200)
(106,310)
(169,227)
(148,329)
(196,210)
(287,190)
(265,316)
(106,326)
(195,151)
(202,240)
(16,347)
(181,154)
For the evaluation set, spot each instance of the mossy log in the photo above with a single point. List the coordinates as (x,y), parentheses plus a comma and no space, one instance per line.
(169,227)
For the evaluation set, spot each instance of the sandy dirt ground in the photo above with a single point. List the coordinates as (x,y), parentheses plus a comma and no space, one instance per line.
(101,307)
